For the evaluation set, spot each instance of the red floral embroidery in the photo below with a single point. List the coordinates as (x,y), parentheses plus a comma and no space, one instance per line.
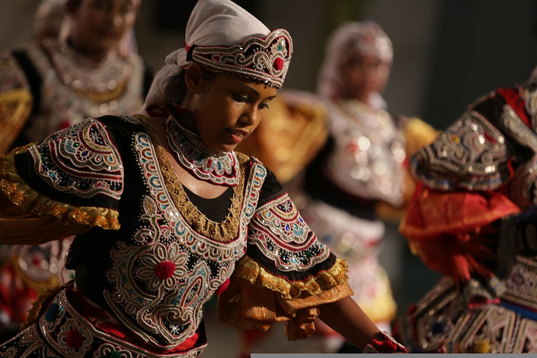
(165,270)
(74,339)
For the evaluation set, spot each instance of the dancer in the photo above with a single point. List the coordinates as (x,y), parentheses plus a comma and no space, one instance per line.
(167,214)
(89,71)
(358,175)
(473,221)
(82,64)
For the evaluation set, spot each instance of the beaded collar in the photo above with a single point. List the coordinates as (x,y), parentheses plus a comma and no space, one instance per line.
(220,168)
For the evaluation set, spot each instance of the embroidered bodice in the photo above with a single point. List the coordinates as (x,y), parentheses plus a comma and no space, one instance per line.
(368,154)
(166,258)
(66,88)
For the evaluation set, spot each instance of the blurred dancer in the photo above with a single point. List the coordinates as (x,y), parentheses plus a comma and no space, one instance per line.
(357,178)
(473,220)
(167,214)
(82,64)
(49,19)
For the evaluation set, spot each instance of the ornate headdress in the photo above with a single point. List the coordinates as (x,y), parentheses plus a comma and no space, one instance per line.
(266,59)
(222,36)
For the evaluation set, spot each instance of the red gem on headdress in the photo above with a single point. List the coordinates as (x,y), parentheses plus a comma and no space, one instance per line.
(278,64)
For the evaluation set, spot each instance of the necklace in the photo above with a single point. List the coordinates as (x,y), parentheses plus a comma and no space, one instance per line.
(80,74)
(220,168)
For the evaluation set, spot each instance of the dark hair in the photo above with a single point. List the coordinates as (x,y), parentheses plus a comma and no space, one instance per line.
(176,90)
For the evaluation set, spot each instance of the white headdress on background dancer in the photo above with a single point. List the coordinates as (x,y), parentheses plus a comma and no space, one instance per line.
(350,39)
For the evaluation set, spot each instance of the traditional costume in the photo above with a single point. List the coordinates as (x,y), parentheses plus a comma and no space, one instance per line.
(354,156)
(360,169)
(473,221)
(46,86)
(149,252)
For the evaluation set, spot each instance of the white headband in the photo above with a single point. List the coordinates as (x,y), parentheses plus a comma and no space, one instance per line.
(224,37)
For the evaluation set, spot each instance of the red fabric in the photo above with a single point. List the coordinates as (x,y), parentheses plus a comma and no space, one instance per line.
(95,316)
(512,98)
(15,296)
(446,229)
(479,301)
(74,339)
(65,124)
(157,111)
(222,288)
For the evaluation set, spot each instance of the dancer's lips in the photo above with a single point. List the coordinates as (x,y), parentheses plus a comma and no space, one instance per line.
(237,135)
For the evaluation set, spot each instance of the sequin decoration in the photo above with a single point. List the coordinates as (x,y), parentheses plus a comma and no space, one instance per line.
(470,154)
(468,323)
(73,91)
(168,271)
(266,59)
(368,155)
(282,235)
(81,160)
(74,335)
(198,159)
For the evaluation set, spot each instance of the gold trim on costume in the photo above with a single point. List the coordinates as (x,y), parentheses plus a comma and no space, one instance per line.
(249,270)
(15,109)
(102,97)
(224,231)
(22,195)
(41,304)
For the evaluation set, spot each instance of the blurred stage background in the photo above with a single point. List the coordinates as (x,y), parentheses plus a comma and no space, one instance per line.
(447,53)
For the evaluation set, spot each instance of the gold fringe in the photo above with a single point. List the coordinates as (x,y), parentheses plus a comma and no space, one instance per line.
(102,97)
(15,109)
(223,231)
(249,270)
(22,195)
(40,304)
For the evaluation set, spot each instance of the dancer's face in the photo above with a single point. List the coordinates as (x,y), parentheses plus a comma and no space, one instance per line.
(99,25)
(363,75)
(228,108)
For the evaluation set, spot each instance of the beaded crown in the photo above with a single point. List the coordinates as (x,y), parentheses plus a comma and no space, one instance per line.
(266,59)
